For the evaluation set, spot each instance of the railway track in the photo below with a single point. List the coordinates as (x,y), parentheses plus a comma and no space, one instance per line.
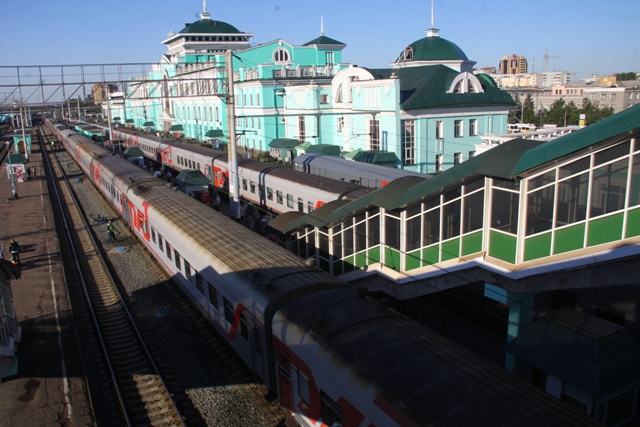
(140,395)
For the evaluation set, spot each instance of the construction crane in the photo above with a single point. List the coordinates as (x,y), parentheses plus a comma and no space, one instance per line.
(546,59)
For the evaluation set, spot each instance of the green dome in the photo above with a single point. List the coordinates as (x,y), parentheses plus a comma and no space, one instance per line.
(209,26)
(434,48)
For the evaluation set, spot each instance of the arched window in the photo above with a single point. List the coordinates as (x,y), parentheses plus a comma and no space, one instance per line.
(281,55)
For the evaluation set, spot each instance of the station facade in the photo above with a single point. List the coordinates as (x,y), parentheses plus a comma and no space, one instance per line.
(428,108)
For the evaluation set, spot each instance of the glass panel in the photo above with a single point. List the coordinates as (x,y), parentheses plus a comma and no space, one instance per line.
(578,166)
(414,210)
(431,232)
(392,232)
(635,182)
(609,188)
(413,233)
(571,205)
(337,244)
(612,153)
(453,194)
(504,211)
(451,220)
(473,185)
(507,183)
(361,236)
(473,215)
(429,204)
(374,230)
(323,241)
(541,180)
(347,237)
(540,210)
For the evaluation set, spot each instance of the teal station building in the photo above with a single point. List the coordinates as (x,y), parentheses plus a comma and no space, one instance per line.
(428,108)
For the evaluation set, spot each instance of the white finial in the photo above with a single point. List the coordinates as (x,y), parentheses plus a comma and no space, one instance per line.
(205,14)
(321,26)
(432,32)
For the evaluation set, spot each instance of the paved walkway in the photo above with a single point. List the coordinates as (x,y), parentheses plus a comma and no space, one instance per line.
(49,388)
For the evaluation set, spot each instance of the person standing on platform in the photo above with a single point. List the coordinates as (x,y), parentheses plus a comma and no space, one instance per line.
(111,230)
(14,249)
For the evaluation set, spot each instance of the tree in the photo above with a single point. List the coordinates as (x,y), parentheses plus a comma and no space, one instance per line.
(529,114)
(593,112)
(631,75)
(515,113)
(555,115)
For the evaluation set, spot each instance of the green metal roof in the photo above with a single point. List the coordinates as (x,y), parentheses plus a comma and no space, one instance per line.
(324,40)
(284,143)
(351,154)
(176,128)
(192,177)
(209,26)
(376,157)
(129,121)
(324,150)
(317,218)
(16,158)
(625,122)
(115,119)
(427,86)
(148,124)
(435,48)
(214,133)
(133,152)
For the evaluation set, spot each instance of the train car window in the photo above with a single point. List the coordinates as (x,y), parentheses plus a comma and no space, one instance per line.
(290,201)
(244,329)
(279,196)
(330,411)
(253,187)
(256,340)
(198,165)
(310,206)
(303,388)
(160,242)
(199,283)
(190,167)
(228,311)
(244,184)
(300,205)
(168,250)
(269,193)
(187,269)
(177,260)
(153,235)
(213,296)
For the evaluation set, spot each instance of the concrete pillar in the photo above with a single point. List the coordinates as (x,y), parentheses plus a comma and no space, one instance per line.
(520,313)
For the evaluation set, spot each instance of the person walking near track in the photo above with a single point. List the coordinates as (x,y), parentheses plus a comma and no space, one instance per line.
(112,232)
(14,249)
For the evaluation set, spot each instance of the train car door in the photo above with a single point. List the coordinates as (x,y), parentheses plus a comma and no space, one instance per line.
(125,211)
(257,352)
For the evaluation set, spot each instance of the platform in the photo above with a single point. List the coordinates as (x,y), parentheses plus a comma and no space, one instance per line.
(49,387)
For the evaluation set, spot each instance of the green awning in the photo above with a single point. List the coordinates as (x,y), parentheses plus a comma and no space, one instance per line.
(129,121)
(214,133)
(176,128)
(324,150)
(382,158)
(351,154)
(16,158)
(116,119)
(133,152)
(148,125)
(284,143)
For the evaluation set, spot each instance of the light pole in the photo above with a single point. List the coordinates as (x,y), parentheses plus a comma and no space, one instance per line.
(14,191)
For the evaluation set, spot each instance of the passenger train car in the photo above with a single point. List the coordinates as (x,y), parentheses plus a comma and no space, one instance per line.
(365,174)
(334,357)
(273,188)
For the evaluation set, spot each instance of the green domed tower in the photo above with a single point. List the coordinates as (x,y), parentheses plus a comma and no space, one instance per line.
(434,50)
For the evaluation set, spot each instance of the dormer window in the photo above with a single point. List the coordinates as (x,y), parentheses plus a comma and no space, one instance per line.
(281,55)
(408,54)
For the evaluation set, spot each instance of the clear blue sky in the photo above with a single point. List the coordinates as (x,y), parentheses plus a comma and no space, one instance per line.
(594,37)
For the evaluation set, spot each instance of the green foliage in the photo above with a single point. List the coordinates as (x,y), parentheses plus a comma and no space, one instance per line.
(631,75)
(562,114)
(529,112)
(515,113)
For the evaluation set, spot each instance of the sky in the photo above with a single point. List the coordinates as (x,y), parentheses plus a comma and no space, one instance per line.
(585,36)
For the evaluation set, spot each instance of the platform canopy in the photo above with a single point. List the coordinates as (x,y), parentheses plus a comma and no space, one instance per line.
(15,159)
(129,121)
(191,177)
(324,150)
(284,143)
(176,128)
(148,125)
(133,152)
(215,134)
(382,158)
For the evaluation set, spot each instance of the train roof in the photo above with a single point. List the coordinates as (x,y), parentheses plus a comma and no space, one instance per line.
(281,276)
(438,382)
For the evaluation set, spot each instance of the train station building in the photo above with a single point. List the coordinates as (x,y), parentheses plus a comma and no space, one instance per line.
(427,108)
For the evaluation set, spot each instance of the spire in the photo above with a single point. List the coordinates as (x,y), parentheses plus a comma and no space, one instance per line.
(205,14)
(321,26)
(432,32)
